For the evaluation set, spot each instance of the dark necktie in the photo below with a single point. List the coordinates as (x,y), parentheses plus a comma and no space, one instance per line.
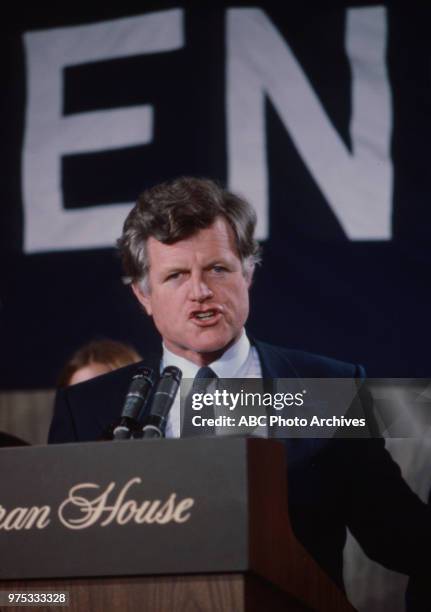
(204,377)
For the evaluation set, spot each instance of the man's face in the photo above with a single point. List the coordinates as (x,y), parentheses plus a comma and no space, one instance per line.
(198,293)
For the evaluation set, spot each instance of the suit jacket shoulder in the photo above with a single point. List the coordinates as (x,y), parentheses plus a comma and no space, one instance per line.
(278,362)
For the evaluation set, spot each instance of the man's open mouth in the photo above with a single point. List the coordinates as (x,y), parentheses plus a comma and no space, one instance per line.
(204,316)
(210,316)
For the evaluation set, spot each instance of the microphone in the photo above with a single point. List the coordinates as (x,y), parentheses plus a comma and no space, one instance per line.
(137,396)
(163,399)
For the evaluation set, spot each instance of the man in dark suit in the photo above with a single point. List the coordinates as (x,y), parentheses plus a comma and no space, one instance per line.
(189,253)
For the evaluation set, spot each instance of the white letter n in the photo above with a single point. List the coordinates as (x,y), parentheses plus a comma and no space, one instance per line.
(357,185)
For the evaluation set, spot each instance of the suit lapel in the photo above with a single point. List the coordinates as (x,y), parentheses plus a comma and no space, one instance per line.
(276,364)
(273,364)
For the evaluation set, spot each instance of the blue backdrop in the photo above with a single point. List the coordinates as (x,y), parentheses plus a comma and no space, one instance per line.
(321,117)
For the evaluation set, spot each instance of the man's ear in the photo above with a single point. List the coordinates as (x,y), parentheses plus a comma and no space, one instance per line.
(143,297)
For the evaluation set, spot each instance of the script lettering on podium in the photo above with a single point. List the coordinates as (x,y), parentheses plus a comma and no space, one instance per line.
(85,506)
(24,518)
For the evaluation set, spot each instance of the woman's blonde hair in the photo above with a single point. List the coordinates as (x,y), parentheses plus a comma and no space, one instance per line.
(109,353)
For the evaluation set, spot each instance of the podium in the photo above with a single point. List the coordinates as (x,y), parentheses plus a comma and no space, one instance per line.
(171,525)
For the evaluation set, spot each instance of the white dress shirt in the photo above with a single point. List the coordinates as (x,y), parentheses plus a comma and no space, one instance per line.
(239,361)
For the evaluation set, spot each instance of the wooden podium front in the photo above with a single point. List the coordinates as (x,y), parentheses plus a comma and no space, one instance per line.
(171,525)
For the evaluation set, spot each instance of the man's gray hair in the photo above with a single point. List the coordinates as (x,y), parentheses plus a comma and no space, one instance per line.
(176,210)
